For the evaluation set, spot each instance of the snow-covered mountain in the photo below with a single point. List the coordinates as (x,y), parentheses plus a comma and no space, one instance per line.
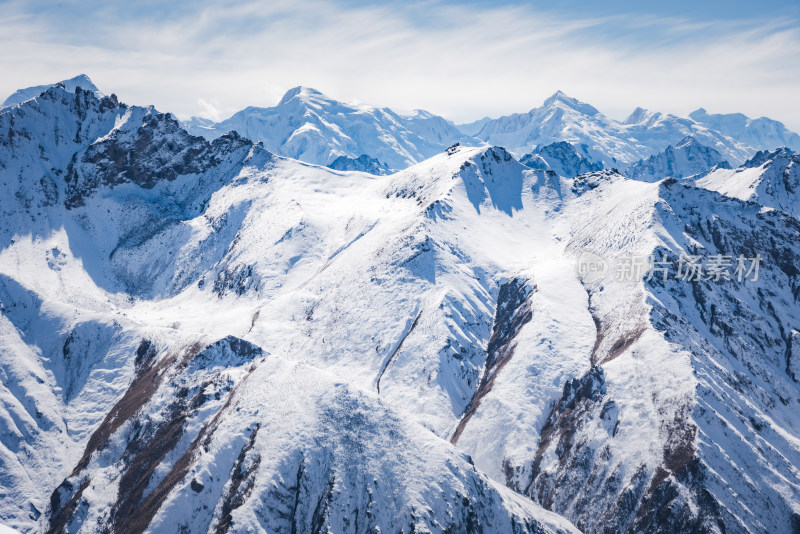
(315,128)
(22,95)
(312,127)
(362,163)
(759,133)
(203,336)
(771,178)
(642,134)
(686,159)
(562,158)
(146,379)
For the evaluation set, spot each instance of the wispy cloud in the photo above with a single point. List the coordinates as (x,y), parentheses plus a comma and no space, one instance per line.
(463,61)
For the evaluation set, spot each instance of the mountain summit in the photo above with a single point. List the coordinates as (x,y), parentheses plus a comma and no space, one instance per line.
(312,127)
(560,99)
(302,93)
(22,95)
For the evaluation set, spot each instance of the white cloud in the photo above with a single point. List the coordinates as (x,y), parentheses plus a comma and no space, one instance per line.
(462,61)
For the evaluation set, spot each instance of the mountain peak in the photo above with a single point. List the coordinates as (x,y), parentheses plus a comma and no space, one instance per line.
(558,96)
(560,99)
(687,142)
(637,116)
(81,80)
(301,92)
(421,114)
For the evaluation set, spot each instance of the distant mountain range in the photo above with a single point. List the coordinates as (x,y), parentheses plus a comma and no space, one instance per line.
(312,127)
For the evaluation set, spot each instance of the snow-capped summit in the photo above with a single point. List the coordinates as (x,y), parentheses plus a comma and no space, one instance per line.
(560,118)
(310,126)
(688,158)
(22,95)
(302,93)
(560,99)
(420,114)
(641,116)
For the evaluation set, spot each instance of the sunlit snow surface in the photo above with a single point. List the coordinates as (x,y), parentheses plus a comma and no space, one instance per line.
(255,343)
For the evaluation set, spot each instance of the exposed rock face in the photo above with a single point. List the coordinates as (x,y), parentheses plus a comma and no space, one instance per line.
(511,314)
(158,440)
(793,356)
(155,150)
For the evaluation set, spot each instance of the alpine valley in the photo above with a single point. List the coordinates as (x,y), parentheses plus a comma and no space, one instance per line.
(328,317)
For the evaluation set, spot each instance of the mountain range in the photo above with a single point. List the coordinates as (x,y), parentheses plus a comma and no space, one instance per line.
(312,127)
(207,334)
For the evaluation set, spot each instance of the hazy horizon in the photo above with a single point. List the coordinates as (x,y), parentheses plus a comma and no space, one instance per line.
(462,61)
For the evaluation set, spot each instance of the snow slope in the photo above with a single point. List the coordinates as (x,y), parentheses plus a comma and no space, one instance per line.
(204,336)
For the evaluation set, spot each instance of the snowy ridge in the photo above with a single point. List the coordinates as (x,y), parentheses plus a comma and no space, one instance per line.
(762,133)
(312,127)
(771,178)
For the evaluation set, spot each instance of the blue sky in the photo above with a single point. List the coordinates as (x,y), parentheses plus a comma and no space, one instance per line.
(463,60)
